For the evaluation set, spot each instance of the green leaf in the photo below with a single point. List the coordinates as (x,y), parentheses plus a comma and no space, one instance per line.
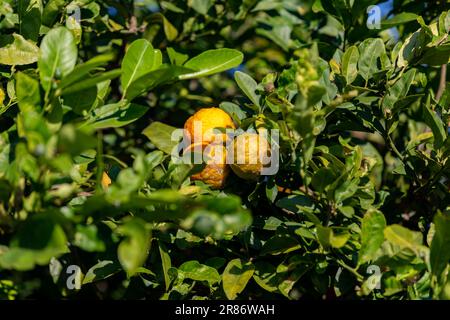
(160,135)
(38,240)
(328,238)
(82,70)
(236,276)
(280,244)
(265,276)
(248,86)
(169,30)
(398,19)
(176,58)
(86,238)
(133,250)
(372,235)
(138,61)
(212,61)
(412,48)
(233,110)
(157,59)
(398,90)
(370,50)
(440,245)
(57,56)
(51,11)
(350,64)
(19,52)
(296,204)
(201,6)
(435,123)
(81,103)
(153,79)
(346,190)
(166,263)
(403,237)
(198,272)
(27,90)
(91,82)
(436,56)
(30,18)
(115,115)
(102,270)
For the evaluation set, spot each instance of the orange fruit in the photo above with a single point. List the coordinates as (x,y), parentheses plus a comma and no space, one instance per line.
(249,150)
(199,128)
(216,170)
(106,180)
(2,95)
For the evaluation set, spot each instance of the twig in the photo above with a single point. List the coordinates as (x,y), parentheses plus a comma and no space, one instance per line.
(442,82)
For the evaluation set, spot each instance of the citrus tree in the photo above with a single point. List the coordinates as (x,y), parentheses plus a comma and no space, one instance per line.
(348,98)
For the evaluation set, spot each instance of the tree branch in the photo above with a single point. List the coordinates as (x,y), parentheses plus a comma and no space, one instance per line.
(442,82)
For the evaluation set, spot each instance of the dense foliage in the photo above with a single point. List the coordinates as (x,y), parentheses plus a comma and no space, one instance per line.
(359,207)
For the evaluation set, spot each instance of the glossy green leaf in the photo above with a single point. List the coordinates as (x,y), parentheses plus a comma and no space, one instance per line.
(102,270)
(350,64)
(176,58)
(372,235)
(116,115)
(212,61)
(57,56)
(370,50)
(202,6)
(328,238)
(138,61)
(236,276)
(248,86)
(82,70)
(199,272)
(403,237)
(160,135)
(399,90)
(153,79)
(399,19)
(91,82)
(280,244)
(435,123)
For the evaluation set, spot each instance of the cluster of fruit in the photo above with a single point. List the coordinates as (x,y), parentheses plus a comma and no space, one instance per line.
(202,131)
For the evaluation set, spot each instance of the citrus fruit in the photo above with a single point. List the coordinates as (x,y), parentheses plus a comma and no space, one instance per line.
(216,170)
(2,95)
(199,128)
(249,151)
(106,180)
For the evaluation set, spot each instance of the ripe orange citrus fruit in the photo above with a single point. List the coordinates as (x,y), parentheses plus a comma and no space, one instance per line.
(106,180)
(249,151)
(2,95)
(216,170)
(199,128)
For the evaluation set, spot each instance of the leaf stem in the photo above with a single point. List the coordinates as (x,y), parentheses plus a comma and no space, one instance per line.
(359,277)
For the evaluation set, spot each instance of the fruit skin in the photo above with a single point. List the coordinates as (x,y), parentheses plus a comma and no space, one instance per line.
(209,118)
(106,180)
(248,150)
(216,170)
(2,95)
